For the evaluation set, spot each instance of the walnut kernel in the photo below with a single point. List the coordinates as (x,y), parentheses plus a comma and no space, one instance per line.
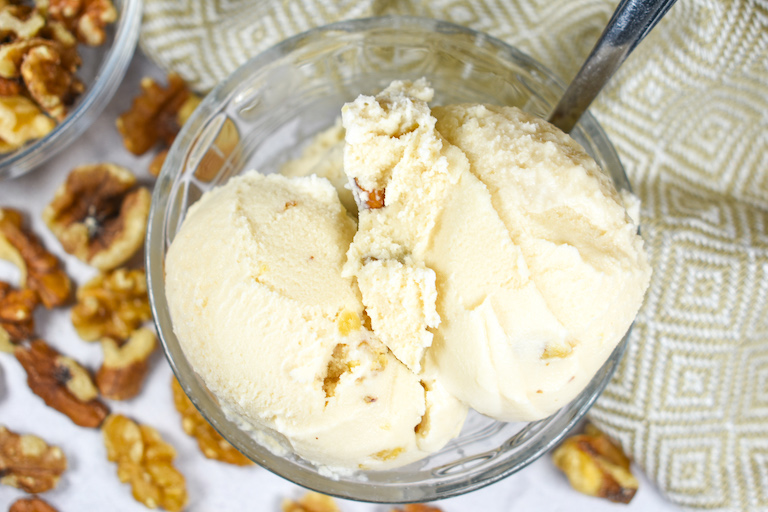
(62,384)
(21,121)
(20,22)
(40,270)
(122,373)
(28,462)
(111,305)
(145,461)
(17,322)
(156,115)
(371,199)
(210,442)
(31,505)
(417,507)
(53,87)
(311,502)
(596,466)
(98,215)
(86,18)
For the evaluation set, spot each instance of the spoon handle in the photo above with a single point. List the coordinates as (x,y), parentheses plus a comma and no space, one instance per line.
(630,23)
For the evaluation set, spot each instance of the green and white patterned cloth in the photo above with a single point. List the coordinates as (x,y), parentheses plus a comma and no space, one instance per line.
(688,114)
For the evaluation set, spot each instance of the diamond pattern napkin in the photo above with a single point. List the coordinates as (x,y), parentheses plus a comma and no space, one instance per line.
(688,114)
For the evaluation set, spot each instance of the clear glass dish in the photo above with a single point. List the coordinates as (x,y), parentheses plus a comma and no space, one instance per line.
(102,71)
(264,114)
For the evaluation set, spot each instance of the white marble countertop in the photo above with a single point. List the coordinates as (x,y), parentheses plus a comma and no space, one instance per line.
(90,483)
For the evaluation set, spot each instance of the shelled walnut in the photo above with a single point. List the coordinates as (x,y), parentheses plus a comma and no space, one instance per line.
(20,122)
(40,270)
(156,116)
(311,502)
(596,466)
(49,82)
(62,383)
(17,322)
(31,505)
(145,461)
(124,368)
(86,18)
(38,62)
(99,215)
(29,463)
(111,305)
(20,22)
(210,442)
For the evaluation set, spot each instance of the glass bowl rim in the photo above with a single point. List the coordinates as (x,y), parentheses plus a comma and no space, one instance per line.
(155,243)
(98,94)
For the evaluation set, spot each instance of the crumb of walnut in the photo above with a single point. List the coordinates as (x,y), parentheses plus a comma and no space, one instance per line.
(111,305)
(40,270)
(62,383)
(156,114)
(99,215)
(21,121)
(311,502)
(31,505)
(124,368)
(209,441)
(596,466)
(17,322)
(145,461)
(29,463)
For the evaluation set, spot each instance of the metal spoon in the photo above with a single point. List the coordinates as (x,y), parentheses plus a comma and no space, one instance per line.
(631,22)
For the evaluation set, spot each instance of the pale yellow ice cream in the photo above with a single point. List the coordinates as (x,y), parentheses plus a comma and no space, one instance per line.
(492,265)
(263,314)
(501,254)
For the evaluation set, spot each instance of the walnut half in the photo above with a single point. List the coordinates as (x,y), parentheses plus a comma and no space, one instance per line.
(125,367)
(145,461)
(31,505)
(27,462)
(62,383)
(99,215)
(40,270)
(210,442)
(111,305)
(596,466)
(417,507)
(156,115)
(311,502)
(17,322)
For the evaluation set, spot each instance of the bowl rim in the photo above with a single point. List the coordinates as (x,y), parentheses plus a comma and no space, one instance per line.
(155,246)
(98,94)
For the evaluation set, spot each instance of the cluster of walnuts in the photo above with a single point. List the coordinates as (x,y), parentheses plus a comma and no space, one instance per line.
(99,214)
(39,60)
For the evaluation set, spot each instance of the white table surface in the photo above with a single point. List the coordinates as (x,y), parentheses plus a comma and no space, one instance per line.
(90,483)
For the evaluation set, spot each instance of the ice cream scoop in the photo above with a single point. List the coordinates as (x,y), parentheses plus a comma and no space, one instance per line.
(265,317)
(500,253)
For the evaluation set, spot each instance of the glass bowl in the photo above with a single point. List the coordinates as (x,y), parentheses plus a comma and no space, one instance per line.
(102,71)
(264,114)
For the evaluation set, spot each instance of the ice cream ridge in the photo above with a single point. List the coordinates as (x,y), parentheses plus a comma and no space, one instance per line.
(492,265)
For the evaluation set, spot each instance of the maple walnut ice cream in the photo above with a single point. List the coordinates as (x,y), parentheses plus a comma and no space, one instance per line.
(491,265)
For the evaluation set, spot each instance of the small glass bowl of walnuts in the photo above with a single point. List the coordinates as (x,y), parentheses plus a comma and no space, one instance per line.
(61,62)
